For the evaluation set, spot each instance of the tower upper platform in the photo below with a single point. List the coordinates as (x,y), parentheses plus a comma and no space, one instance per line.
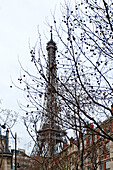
(51,43)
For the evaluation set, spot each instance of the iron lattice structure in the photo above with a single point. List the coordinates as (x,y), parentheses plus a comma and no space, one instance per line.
(50,136)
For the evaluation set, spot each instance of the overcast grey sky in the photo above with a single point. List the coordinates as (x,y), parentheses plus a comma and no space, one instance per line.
(18,25)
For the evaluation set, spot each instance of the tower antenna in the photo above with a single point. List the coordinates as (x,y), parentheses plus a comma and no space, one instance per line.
(51,33)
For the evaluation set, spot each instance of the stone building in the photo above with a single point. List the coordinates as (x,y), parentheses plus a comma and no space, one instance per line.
(5,152)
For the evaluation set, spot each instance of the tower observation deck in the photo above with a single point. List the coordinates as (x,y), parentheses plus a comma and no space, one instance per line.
(50,135)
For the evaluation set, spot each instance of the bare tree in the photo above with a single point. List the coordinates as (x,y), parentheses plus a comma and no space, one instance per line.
(87,44)
(84,77)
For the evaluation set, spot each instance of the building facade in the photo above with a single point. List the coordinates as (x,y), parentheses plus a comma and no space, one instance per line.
(24,162)
(92,151)
(5,152)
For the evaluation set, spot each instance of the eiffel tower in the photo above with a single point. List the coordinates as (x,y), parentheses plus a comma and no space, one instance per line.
(50,135)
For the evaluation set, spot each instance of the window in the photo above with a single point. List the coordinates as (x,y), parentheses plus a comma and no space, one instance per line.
(89,167)
(107,147)
(85,143)
(94,138)
(108,128)
(108,165)
(81,146)
(89,140)
(89,157)
(94,155)
(101,150)
(101,166)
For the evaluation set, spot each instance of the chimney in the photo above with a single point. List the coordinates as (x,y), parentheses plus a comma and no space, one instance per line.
(7,134)
(0,130)
(80,135)
(89,127)
(65,145)
(112,108)
(71,140)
